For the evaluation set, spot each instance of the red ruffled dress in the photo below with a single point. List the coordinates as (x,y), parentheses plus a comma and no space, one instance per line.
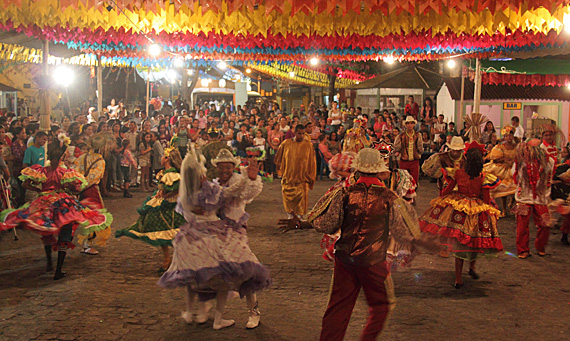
(465,216)
(54,209)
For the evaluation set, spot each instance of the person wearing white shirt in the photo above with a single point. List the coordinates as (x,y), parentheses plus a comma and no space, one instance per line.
(519,131)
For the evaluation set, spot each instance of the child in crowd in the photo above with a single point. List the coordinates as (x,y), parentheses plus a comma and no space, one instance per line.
(145,148)
(127,160)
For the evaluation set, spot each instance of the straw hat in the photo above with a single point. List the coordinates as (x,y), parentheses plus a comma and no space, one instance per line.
(410,119)
(370,160)
(456,143)
(97,141)
(226,156)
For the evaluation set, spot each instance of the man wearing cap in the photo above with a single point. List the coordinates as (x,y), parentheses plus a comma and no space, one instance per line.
(238,190)
(453,158)
(92,166)
(365,213)
(296,162)
(211,150)
(410,146)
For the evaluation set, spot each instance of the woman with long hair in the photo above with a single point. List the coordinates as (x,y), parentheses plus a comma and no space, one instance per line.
(488,132)
(55,214)
(145,148)
(502,158)
(466,216)
(159,223)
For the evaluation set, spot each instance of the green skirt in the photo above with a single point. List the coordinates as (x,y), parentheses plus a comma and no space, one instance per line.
(157,225)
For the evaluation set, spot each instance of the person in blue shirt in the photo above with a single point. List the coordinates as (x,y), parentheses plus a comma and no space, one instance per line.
(36,154)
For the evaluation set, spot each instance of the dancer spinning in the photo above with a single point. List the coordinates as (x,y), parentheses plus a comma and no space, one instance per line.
(211,256)
(55,214)
(92,166)
(502,160)
(466,216)
(238,190)
(158,223)
(533,176)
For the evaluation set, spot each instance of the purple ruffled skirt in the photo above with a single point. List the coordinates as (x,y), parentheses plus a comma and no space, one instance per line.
(214,255)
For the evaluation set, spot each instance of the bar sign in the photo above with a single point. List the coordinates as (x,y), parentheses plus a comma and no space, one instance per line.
(512,106)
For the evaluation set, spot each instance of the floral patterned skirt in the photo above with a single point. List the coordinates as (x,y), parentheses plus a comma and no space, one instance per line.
(468,224)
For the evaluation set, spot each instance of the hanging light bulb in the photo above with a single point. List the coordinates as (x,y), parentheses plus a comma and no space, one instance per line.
(314,61)
(222,65)
(154,50)
(389,60)
(178,62)
(222,83)
(451,64)
(291,74)
(248,70)
(204,82)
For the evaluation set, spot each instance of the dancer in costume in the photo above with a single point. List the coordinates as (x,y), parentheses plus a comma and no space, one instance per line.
(550,133)
(211,256)
(211,150)
(410,146)
(296,162)
(533,176)
(55,214)
(355,138)
(238,190)
(502,159)
(466,216)
(454,158)
(366,213)
(400,181)
(561,191)
(159,223)
(91,165)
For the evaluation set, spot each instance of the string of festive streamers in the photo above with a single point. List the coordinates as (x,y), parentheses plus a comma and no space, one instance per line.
(327,7)
(483,17)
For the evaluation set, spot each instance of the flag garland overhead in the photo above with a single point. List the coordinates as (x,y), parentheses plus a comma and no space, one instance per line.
(335,30)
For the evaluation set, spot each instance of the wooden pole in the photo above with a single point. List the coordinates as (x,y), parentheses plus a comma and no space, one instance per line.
(99,86)
(462,99)
(45,105)
(477,90)
(147,90)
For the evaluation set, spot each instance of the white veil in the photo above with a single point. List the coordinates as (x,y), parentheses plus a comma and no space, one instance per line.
(191,173)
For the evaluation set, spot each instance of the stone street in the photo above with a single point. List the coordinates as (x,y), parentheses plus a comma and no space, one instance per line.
(114,295)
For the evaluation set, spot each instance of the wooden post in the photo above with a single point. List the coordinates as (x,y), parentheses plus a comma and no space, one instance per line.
(462,99)
(147,90)
(99,86)
(45,105)
(477,90)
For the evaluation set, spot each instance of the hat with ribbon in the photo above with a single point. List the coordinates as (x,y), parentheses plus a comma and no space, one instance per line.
(226,156)
(370,160)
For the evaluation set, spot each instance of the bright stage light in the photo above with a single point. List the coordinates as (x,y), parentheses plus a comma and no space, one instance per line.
(389,60)
(314,61)
(154,50)
(451,64)
(63,76)
(171,76)
(178,62)
(222,65)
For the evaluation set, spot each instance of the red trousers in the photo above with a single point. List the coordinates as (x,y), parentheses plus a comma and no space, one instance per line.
(540,215)
(413,167)
(347,281)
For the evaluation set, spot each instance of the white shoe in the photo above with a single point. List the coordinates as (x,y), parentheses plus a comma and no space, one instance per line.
(254,318)
(220,323)
(187,316)
(202,313)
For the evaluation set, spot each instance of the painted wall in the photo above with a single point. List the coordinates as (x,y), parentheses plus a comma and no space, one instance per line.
(493,109)
(445,105)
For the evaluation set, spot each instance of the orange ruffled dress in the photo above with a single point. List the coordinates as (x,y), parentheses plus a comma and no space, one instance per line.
(55,208)
(465,216)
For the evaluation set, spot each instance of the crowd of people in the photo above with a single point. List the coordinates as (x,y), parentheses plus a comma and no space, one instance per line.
(188,159)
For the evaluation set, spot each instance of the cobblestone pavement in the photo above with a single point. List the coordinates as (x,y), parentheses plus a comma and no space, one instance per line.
(114,295)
